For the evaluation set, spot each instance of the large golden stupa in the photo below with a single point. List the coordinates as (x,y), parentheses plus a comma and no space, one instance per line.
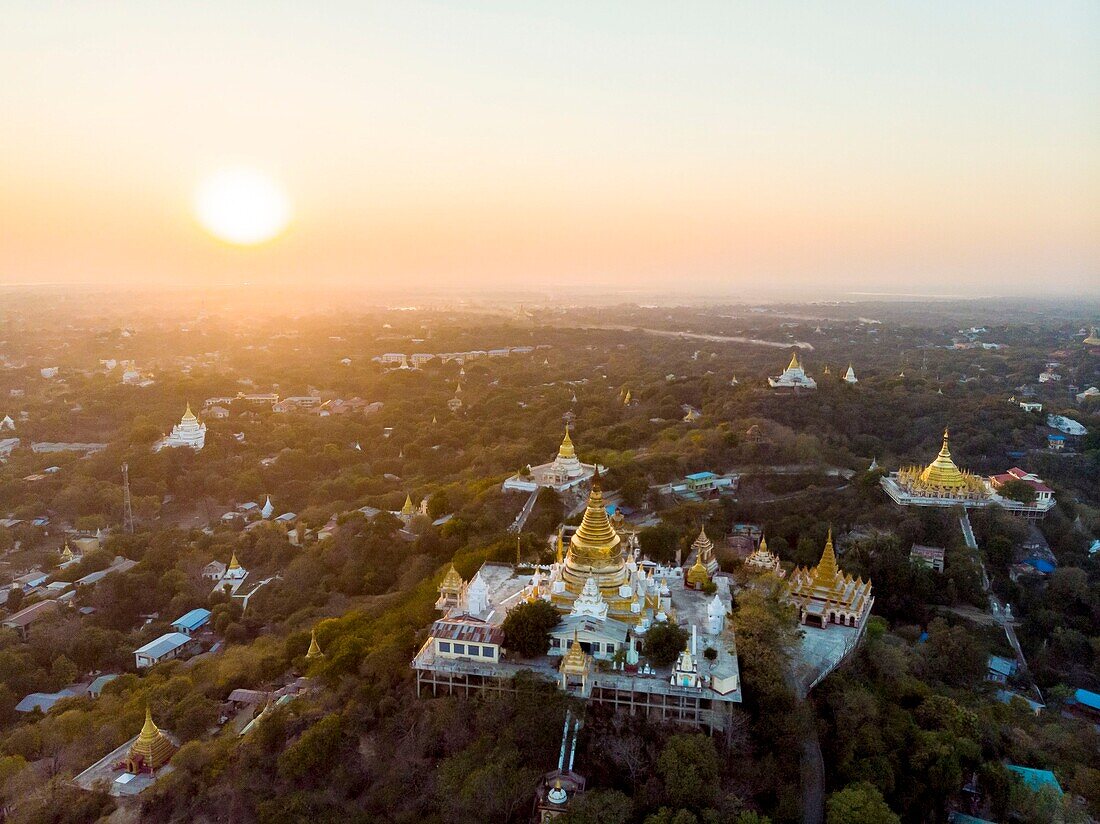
(824,595)
(151,750)
(596,551)
(941,478)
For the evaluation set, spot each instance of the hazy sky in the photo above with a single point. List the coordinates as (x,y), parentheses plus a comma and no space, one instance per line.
(818,147)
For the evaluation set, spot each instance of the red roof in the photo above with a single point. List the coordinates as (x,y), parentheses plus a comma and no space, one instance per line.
(1017,474)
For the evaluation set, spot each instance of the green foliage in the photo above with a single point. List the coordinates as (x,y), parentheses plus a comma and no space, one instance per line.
(859,803)
(308,759)
(599,807)
(689,767)
(664,641)
(527,628)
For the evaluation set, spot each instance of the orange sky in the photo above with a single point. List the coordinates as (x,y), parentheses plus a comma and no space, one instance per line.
(631,146)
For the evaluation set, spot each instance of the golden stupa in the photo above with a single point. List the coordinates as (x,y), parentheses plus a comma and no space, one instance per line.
(152,749)
(826,595)
(596,551)
(1093,339)
(697,576)
(315,648)
(941,477)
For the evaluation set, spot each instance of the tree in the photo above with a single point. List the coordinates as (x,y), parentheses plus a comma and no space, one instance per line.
(663,643)
(1017,490)
(659,542)
(599,807)
(859,803)
(527,628)
(312,755)
(689,767)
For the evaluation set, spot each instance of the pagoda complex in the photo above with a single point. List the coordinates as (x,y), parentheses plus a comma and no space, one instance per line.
(793,377)
(189,432)
(941,483)
(151,750)
(564,472)
(824,595)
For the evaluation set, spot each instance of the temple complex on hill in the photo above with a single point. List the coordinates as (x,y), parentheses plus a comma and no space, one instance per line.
(608,599)
(564,472)
(188,432)
(943,484)
(824,595)
(793,377)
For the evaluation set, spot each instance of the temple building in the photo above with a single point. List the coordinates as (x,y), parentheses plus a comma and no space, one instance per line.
(793,377)
(825,595)
(134,766)
(702,550)
(565,472)
(233,578)
(764,560)
(942,483)
(188,432)
(850,375)
(1093,339)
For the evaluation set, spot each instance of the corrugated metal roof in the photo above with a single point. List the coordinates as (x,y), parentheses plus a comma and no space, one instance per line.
(163,645)
(467,628)
(193,619)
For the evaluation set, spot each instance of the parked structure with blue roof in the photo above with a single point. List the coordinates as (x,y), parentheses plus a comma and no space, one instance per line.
(189,623)
(1036,780)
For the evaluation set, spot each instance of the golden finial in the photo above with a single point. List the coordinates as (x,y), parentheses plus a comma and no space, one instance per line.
(233,562)
(561,545)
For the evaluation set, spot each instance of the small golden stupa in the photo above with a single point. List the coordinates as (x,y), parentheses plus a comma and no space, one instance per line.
(152,749)
(314,648)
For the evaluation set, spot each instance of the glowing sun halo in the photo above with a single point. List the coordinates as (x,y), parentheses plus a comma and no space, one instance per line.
(242,206)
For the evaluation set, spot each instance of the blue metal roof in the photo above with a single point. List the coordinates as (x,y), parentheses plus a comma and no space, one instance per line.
(700,476)
(192,620)
(1087,699)
(1036,779)
(1004,666)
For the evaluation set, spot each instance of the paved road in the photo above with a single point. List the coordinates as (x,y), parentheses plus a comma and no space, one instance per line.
(671,333)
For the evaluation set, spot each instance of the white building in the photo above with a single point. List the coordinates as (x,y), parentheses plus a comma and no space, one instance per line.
(166,647)
(233,578)
(850,375)
(188,432)
(564,472)
(793,377)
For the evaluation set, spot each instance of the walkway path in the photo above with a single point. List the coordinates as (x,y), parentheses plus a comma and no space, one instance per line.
(525,513)
(813,779)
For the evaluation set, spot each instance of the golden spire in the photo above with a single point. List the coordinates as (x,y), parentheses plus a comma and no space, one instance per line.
(452,581)
(189,415)
(567,450)
(561,548)
(943,472)
(825,573)
(575,660)
(408,508)
(149,730)
(595,531)
(66,553)
(794,364)
(314,647)
(233,563)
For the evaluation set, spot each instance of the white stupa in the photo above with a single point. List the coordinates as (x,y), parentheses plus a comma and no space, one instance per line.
(850,375)
(793,377)
(268,510)
(188,432)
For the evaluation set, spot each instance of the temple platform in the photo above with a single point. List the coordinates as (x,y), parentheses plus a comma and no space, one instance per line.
(104,775)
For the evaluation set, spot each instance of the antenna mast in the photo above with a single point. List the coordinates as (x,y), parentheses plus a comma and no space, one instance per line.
(128,514)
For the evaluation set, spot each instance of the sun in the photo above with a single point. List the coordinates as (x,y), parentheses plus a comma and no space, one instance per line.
(242,206)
